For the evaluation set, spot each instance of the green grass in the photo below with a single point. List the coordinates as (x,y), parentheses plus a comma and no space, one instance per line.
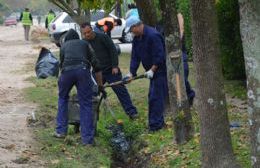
(158,146)
(236,89)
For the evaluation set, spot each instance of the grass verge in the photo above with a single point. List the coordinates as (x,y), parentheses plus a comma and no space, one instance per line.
(158,148)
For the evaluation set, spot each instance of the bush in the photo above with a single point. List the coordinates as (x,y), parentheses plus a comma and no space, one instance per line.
(230,40)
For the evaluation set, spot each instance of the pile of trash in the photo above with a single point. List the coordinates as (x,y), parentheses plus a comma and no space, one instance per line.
(119,143)
(47,64)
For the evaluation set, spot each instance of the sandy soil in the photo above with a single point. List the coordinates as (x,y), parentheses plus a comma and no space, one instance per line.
(17,145)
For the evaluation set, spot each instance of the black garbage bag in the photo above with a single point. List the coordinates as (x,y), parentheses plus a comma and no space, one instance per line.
(47,64)
(119,142)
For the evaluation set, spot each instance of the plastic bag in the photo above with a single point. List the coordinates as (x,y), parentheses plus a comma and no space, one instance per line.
(47,64)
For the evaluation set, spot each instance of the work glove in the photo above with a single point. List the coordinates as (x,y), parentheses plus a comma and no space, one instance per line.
(102,91)
(149,74)
(127,78)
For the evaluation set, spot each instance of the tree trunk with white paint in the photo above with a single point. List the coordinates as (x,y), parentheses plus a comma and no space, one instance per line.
(250,32)
(179,105)
(215,135)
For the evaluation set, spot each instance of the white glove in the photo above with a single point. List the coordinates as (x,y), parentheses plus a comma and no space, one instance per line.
(129,75)
(149,74)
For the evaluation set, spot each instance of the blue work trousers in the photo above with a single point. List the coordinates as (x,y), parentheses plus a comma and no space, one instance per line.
(190,92)
(121,92)
(82,80)
(157,97)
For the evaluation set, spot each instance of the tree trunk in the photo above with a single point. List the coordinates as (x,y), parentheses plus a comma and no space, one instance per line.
(118,9)
(250,32)
(179,104)
(147,11)
(215,135)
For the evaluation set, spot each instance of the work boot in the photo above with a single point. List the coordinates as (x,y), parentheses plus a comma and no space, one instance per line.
(89,145)
(60,136)
(153,130)
(191,101)
(133,116)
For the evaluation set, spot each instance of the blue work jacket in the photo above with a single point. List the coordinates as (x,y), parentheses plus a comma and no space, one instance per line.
(150,50)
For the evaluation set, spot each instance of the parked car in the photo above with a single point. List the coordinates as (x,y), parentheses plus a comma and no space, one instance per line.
(11,20)
(63,22)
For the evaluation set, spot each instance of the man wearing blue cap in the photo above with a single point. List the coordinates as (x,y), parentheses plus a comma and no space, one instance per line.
(149,48)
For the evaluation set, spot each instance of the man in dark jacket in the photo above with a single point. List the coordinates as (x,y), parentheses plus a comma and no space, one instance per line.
(76,60)
(107,55)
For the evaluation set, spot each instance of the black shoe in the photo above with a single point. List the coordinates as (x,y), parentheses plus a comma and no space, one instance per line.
(191,101)
(60,136)
(89,145)
(133,116)
(153,130)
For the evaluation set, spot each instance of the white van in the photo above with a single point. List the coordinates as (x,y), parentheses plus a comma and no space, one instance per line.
(63,22)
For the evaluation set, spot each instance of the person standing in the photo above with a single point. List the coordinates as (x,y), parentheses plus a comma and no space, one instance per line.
(51,15)
(190,92)
(76,60)
(107,55)
(149,48)
(133,11)
(27,21)
(106,25)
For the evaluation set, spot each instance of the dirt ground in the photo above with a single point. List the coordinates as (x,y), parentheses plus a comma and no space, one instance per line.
(17,145)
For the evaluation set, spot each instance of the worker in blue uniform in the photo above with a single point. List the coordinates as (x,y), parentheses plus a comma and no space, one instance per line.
(149,48)
(76,60)
(190,92)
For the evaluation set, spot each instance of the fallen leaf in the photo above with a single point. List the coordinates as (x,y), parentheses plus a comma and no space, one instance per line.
(55,161)
(10,147)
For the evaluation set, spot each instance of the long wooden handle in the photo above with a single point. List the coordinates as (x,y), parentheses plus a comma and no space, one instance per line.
(123,82)
(178,87)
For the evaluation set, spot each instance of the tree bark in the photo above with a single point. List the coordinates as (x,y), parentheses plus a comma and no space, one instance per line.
(215,135)
(179,105)
(250,31)
(118,9)
(147,11)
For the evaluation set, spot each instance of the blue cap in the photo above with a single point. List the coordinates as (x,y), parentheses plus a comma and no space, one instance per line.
(131,21)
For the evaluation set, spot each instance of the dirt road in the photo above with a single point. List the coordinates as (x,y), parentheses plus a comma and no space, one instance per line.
(17,146)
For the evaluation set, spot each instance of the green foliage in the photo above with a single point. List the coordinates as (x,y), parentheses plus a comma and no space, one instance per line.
(88,4)
(37,6)
(230,40)
(229,33)
(236,89)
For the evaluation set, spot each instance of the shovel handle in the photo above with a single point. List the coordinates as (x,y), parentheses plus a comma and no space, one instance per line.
(178,87)
(124,82)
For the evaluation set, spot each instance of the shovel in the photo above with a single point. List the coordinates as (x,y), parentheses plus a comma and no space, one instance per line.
(124,82)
